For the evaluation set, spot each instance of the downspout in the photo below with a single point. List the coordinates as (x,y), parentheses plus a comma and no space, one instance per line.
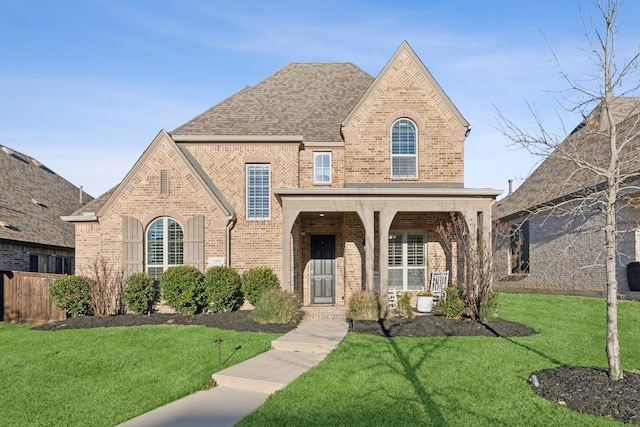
(230,225)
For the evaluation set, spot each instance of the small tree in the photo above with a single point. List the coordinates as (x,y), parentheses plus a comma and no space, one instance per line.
(106,283)
(223,289)
(71,293)
(140,293)
(182,288)
(256,280)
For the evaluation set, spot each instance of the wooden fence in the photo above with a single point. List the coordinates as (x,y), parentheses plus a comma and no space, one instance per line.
(25,297)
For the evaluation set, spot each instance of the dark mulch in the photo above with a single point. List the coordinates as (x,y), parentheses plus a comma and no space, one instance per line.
(582,389)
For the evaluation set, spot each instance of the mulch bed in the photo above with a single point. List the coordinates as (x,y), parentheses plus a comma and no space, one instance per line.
(583,389)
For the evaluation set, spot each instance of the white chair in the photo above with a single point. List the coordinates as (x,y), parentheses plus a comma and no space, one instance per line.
(392,298)
(438,285)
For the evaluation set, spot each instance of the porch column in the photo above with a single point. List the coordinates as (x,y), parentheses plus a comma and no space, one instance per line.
(288,218)
(366,216)
(386,218)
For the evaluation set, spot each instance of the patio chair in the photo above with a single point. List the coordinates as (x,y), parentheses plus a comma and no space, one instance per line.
(393,298)
(439,283)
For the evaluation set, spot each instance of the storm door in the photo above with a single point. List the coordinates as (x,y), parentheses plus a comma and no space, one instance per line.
(323,261)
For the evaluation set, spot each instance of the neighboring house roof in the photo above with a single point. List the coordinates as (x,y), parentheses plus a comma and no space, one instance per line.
(33,199)
(559,177)
(307,99)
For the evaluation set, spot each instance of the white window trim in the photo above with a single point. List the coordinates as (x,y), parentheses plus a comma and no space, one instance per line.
(322,153)
(262,218)
(415,156)
(405,257)
(165,244)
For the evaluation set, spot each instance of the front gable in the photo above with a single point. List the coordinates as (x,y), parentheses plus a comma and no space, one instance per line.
(404,90)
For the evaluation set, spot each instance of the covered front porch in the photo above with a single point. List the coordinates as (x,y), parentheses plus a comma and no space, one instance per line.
(337,241)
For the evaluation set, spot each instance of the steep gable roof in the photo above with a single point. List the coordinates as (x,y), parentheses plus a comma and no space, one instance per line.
(33,199)
(307,99)
(558,177)
(101,205)
(405,50)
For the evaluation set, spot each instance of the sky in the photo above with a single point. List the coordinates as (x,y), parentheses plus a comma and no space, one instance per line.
(86,85)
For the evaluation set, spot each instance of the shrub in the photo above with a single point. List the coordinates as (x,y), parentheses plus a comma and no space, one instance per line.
(256,280)
(367,306)
(453,305)
(140,293)
(277,306)
(489,309)
(182,288)
(71,293)
(404,306)
(222,289)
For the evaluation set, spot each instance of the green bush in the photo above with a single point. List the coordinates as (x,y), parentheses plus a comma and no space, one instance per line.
(256,280)
(404,306)
(277,306)
(182,288)
(222,289)
(367,306)
(453,305)
(140,293)
(71,293)
(489,309)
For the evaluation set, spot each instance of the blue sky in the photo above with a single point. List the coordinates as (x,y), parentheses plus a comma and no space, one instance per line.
(85,85)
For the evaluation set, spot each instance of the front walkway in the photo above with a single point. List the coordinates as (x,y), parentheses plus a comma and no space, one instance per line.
(325,312)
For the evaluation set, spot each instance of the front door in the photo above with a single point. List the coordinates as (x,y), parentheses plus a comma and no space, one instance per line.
(323,260)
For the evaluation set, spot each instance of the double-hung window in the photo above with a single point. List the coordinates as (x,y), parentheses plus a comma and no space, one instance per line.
(406,260)
(258,191)
(164,246)
(404,152)
(322,168)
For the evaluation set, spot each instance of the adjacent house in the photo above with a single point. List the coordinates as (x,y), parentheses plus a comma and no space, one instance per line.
(32,235)
(333,178)
(552,224)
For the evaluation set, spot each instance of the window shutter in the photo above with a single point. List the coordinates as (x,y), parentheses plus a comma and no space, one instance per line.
(194,242)
(132,245)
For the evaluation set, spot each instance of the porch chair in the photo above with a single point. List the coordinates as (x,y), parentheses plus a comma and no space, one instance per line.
(393,299)
(439,283)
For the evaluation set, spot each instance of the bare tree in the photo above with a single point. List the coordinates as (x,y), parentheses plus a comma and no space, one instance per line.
(601,154)
(106,283)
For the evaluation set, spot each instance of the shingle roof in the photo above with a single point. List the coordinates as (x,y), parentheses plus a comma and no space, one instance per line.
(32,201)
(308,99)
(558,177)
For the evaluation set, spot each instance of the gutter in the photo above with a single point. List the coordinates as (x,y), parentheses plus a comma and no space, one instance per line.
(230,225)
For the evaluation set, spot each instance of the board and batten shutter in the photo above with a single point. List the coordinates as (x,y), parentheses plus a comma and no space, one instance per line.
(194,242)
(132,246)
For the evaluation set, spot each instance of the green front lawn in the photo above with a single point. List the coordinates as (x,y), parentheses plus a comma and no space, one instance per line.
(105,376)
(457,381)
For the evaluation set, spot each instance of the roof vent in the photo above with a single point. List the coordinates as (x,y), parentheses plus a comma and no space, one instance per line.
(9,151)
(36,163)
(4,224)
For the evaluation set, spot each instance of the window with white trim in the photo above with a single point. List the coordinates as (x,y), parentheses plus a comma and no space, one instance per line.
(322,168)
(404,152)
(258,191)
(407,266)
(165,247)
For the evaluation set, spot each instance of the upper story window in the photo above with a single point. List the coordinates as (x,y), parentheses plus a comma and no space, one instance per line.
(258,191)
(164,246)
(404,141)
(322,168)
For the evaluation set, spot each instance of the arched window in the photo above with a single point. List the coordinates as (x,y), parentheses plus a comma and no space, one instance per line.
(404,141)
(164,246)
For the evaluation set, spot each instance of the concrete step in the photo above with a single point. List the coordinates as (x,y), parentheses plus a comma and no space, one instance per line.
(268,372)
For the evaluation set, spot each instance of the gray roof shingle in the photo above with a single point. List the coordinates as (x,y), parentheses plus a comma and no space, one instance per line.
(308,99)
(32,200)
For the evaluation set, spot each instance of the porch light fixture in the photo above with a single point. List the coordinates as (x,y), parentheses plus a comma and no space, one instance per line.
(321,214)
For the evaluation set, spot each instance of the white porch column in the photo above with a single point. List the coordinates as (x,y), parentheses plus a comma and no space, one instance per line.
(386,218)
(366,216)
(288,218)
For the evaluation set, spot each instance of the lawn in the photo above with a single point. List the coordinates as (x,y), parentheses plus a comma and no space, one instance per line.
(457,381)
(104,376)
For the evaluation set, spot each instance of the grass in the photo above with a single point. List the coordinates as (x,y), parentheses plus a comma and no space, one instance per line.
(455,381)
(104,376)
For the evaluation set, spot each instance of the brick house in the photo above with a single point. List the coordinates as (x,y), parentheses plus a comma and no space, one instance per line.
(552,224)
(334,179)
(32,235)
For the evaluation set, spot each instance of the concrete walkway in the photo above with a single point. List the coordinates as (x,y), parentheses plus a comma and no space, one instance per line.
(242,388)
